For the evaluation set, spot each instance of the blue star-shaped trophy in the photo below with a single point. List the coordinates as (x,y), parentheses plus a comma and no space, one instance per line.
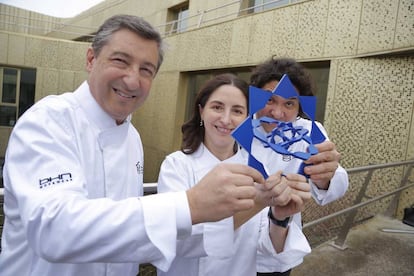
(285,131)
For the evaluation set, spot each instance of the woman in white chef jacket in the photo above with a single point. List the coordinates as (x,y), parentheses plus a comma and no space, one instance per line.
(221,105)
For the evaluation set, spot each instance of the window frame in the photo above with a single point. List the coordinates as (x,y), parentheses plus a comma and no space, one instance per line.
(178,22)
(17,105)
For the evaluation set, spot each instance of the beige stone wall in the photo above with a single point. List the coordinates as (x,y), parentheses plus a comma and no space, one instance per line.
(370,117)
(59,64)
(22,21)
(370,98)
(313,30)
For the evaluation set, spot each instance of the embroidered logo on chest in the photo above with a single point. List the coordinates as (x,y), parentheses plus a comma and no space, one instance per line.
(140,168)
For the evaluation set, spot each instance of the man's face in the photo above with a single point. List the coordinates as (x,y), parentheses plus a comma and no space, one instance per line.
(278,108)
(120,76)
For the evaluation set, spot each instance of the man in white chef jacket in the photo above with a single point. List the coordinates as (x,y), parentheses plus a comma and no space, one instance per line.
(73,175)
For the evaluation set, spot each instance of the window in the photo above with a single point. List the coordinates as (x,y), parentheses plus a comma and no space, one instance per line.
(177,18)
(264,5)
(319,71)
(17,93)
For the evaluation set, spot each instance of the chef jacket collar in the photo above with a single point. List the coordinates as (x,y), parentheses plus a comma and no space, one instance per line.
(94,111)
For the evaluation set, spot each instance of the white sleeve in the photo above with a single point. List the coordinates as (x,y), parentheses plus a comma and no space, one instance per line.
(296,247)
(337,188)
(94,230)
(207,239)
(338,184)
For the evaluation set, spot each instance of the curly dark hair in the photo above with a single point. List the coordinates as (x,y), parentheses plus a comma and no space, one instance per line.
(193,133)
(274,68)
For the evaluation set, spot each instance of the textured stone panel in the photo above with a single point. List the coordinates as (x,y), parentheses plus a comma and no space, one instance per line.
(330,96)
(189,49)
(78,55)
(152,162)
(404,31)
(342,28)
(155,119)
(284,28)
(240,41)
(171,53)
(66,81)
(39,79)
(17,48)
(214,45)
(410,147)
(50,52)
(348,110)
(4,41)
(260,37)
(348,133)
(354,77)
(206,41)
(385,180)
(311,29)
(33,53)
(195,48)
(372,109)
(220,49)
(49,82)
(393,87)
(79,78)
(65,55)
(377,27)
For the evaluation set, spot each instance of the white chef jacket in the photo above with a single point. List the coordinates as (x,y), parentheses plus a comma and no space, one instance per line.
(199,254)
(72,181)
(273,162)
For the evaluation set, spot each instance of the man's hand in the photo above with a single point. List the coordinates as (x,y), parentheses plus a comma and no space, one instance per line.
(299,195)
(275,190)
(322,166)
(225,190)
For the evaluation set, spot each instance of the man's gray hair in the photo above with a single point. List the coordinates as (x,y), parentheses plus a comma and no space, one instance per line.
(133,23)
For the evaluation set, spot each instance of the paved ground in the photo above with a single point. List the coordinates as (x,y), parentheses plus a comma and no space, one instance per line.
(370,251)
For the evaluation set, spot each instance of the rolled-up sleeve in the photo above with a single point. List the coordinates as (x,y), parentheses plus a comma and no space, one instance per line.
(295,248)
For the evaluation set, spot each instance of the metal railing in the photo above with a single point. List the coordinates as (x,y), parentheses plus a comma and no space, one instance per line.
(202,18)
(351,212)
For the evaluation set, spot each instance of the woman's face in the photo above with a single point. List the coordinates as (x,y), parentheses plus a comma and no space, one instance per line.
(278,108)
(225,109)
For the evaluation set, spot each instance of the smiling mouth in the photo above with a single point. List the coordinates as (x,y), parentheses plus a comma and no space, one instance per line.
(119,93)
(224,130)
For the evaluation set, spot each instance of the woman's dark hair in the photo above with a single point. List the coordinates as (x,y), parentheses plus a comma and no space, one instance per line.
(193,133)
(274,69)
